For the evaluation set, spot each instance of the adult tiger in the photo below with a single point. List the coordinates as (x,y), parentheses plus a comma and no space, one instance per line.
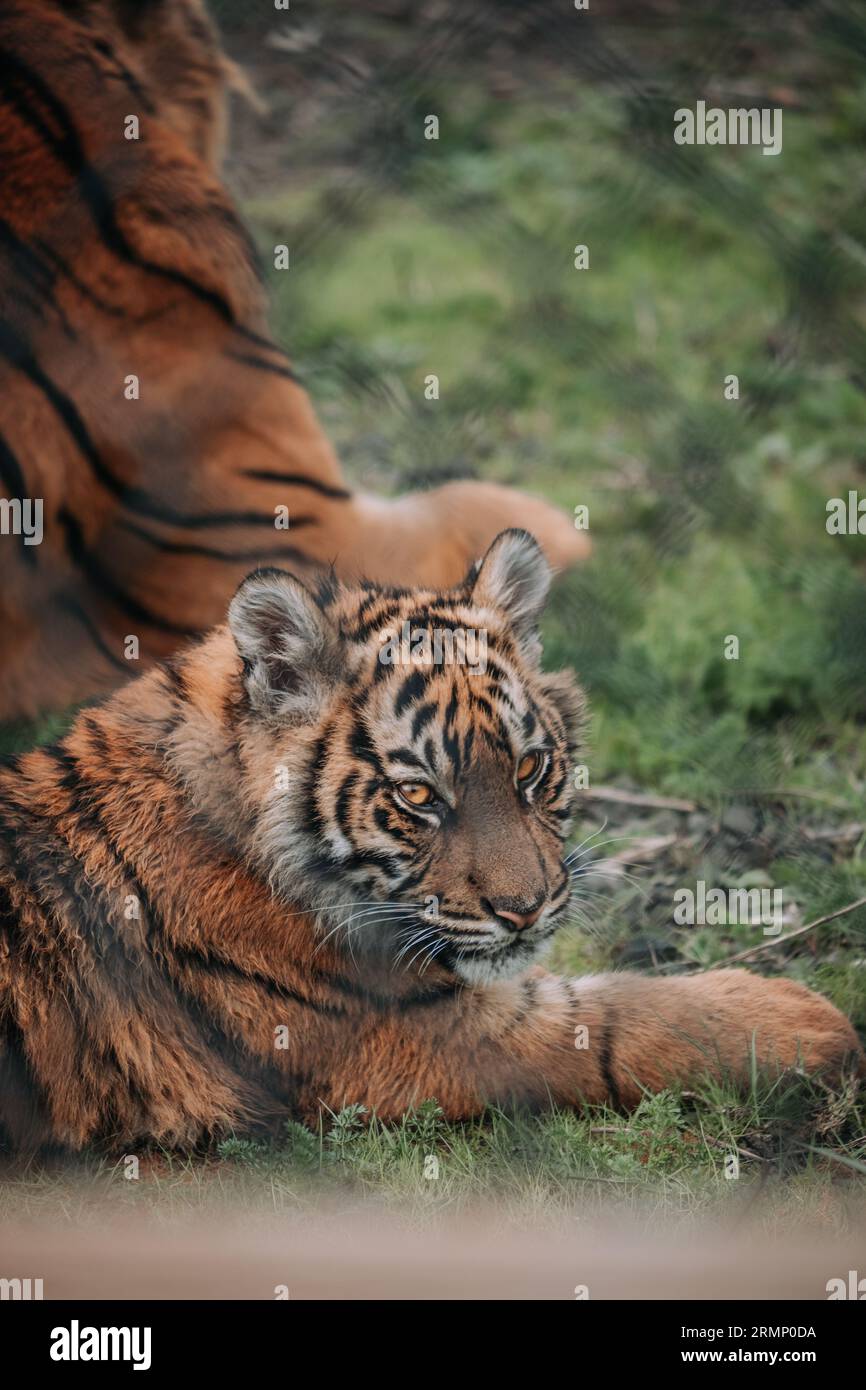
(125,258)
(280,873)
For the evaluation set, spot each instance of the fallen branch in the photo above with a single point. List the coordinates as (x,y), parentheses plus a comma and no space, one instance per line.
(635,856)
(840,834)
(781,793)
(673,803)
(654,803)
(652,1134)
(789,936)
(649,848)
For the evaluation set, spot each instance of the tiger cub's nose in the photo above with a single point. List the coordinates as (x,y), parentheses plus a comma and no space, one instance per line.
(516,916)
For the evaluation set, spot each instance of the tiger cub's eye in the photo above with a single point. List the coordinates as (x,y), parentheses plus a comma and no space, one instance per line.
(528,766)
(416,793)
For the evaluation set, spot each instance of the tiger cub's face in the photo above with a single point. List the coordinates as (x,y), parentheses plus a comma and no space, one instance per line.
(412,763)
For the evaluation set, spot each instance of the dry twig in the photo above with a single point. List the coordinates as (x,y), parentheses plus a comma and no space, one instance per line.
(789,936)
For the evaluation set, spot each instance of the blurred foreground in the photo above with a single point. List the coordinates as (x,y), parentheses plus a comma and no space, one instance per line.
(373,1258)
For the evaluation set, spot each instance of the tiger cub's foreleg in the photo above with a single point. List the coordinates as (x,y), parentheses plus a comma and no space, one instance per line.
(609,1038)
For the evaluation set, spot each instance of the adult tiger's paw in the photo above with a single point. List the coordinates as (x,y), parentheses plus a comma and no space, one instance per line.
(430,539)
(474,513)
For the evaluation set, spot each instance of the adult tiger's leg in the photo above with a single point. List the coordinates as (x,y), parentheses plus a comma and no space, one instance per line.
(431,538)
(226,469)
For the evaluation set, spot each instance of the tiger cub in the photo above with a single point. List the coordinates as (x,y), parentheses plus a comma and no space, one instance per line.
(314,860)
(155,443)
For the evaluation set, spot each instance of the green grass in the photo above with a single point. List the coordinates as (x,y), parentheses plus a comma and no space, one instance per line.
(605,388)
(797,1149)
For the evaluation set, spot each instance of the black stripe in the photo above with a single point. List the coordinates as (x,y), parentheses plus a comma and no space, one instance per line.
(388,1003)
(412,880)
(405,755)
(451,740)
(423,716)
(223,969)
(361,746)
(554,791)
(501,742)
(366,606)
(50,254)
(468,744)
(605,1061)
(493,671)
(370,625)
(71,606)
(12,478)
(16,351)
(328,588)
(313,823)
(451,707)
(424,1001)
(104,583)
(194,521)
(26,265)
(458,915)
(451,750)
(480,702)
(25,88)
(141,95)
(372,859)
(558,887)
(341,806)
(297,480)
(289,553)
(384,623)
(413,686)
(388,827)
(263,365)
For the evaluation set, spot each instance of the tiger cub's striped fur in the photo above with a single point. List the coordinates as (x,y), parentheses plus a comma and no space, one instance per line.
(125,258)
(279,873)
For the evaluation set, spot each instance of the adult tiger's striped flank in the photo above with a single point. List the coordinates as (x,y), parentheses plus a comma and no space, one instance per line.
(279,873)
(124,258)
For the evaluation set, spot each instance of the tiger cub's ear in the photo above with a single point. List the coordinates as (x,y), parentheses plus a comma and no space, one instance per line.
(564,693)
(289,648)
(514,577)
